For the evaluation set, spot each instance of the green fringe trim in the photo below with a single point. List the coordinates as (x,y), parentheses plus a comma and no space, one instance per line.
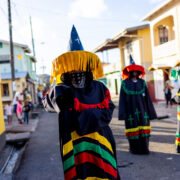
(133,92)
(178,108)
(177,135)
(137,137)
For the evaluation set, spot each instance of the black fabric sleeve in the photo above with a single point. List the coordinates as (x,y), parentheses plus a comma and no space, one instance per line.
(122,105)
(151,111)
(91,120)
(59,98)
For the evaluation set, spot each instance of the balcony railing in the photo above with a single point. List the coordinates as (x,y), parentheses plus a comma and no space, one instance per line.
(164,50)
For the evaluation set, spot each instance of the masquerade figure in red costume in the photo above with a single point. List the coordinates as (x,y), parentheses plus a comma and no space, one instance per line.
(136,108)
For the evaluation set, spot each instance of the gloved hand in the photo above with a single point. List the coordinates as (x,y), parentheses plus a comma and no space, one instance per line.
(64,97)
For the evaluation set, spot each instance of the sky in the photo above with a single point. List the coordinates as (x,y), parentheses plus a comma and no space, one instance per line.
(52,20)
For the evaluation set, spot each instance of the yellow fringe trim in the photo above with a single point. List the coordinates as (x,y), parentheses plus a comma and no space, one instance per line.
(178,117)
(96,136)
(177,143)
(138,128)
(76,61)
(178,94)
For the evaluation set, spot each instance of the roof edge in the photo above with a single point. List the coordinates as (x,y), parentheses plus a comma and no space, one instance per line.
(158,8)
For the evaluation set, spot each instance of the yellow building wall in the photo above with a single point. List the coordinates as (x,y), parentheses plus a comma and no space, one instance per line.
(20,86)
(146,48)
(142,51)
(2,125)
(146,36)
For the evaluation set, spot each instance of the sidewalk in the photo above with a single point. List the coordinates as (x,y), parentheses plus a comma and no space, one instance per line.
(16,136)
(41,159)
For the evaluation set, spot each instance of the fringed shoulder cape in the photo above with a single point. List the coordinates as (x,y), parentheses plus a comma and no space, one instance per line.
(86,141)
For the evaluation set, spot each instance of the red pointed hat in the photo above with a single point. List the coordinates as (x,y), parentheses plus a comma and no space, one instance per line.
(132,67)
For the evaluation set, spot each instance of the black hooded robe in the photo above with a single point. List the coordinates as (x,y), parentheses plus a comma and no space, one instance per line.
(86,141)
(136,108)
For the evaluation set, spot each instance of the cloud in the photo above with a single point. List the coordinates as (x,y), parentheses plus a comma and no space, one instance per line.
(155,1)
(87,8)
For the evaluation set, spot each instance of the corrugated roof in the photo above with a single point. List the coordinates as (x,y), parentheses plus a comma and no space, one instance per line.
(4,57)
(23,46)
(17,75)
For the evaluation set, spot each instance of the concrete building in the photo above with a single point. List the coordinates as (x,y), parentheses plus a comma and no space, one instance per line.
(25,70)
(135,41)
(165,41)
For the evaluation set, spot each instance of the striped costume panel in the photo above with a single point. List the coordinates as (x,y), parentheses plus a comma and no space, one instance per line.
(140,131)
(91,149)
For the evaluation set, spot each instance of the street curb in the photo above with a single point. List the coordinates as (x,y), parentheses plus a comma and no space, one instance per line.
(18,162)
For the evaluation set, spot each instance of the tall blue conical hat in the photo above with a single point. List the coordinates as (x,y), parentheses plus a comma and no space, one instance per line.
(75,42)
(131,60)
(76,59)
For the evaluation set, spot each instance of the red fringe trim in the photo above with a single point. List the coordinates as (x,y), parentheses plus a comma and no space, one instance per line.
(70,174)
(87,157)
(133,67)
(78,106)
(130,134)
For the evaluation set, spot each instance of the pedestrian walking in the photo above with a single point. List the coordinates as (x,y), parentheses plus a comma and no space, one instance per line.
(19,111)
(18,96)
(85,111)
(168,94)
(26,110)
(8,112)
(136,108)
(39,96)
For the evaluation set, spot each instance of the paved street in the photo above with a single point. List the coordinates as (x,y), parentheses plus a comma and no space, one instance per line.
(42,158)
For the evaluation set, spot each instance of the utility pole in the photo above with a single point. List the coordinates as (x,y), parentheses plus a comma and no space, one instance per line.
(34,54)
(11,48)
(43,69)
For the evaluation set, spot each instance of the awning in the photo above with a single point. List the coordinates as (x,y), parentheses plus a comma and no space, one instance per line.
(162,67)
(154,67)
(177,64)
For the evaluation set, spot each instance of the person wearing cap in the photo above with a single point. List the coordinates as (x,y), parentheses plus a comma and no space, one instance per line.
(136,108)
(85,110)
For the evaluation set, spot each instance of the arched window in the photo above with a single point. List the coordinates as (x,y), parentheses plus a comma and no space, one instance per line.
(163,34)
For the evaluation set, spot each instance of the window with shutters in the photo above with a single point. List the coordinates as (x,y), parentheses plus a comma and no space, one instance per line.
(5,89)
(163,34)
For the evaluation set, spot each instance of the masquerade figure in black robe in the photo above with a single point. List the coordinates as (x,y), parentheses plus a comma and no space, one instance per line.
(136,108)
(85,110)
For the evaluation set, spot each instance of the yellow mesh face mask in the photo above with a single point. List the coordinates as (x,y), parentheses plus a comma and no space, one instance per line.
(76,61)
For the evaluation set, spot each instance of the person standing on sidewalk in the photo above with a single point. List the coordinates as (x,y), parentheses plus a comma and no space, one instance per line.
(136,108)
(19,111)
(8,112)
(85,111)
(39,96)
(168,94)
(26,109)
